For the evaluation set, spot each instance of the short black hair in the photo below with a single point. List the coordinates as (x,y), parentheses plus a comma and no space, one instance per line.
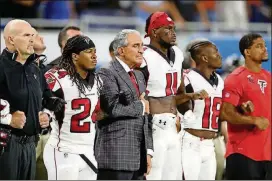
(196,48)
(247,41)
(111,46)
(63,33)
(147,22)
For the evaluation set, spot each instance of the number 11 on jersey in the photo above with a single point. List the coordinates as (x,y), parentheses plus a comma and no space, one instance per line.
(171,83)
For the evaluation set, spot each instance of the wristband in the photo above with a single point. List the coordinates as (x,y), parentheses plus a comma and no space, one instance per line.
(6,119)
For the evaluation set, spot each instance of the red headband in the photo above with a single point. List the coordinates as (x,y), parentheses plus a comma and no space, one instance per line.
(159,19)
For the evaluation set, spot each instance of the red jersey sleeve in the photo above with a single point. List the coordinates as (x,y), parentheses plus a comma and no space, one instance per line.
(233,89)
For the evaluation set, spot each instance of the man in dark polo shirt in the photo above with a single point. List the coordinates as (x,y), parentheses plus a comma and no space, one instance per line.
(20,87)
(249,134)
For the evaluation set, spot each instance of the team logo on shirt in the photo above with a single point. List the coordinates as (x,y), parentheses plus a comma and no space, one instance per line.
(262,84)
(51,81)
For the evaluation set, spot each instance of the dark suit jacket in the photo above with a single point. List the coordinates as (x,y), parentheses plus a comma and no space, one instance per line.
(121,136)
(53,63)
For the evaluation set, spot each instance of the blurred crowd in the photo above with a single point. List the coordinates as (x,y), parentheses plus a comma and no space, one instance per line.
(235,13)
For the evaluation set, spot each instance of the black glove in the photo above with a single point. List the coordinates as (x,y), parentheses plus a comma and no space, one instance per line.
(54,104)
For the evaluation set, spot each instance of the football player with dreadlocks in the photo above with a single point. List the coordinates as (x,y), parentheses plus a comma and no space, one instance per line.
(68,154)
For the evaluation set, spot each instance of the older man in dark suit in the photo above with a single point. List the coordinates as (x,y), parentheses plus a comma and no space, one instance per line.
(124,145)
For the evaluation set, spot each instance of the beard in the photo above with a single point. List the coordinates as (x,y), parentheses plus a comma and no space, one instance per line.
(89,70)
(165,44)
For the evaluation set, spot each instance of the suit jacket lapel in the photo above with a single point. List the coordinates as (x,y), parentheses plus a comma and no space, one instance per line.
(124,75)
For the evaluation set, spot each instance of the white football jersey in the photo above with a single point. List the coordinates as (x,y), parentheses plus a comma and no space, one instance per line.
(164,78)
(75,133)
(5,116)
(206,111)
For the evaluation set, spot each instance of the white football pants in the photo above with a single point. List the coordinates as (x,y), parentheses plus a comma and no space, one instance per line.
(166,161)
(67,166)
(220,150)
(198,157)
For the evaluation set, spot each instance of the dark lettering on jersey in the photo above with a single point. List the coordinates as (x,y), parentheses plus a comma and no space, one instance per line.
(262,84)
(92,94)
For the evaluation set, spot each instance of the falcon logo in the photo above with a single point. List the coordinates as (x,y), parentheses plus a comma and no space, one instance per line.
(262,84)
(87,40)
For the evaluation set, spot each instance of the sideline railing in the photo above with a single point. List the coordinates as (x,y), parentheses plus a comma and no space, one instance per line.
(112,23)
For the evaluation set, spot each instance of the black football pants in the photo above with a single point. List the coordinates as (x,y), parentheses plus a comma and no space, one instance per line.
(18,162)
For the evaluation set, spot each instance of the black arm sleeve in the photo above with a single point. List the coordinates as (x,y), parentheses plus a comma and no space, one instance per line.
(144,70)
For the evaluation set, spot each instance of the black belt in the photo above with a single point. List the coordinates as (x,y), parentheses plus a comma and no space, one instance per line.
(91,165)
(23,139)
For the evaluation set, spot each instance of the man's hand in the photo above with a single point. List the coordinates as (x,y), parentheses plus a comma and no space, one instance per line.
(149,164)
(44,119)
(261,122)
(146,102)
(99,115)
(18,120)
(224,131)
(200,95)
(247,107)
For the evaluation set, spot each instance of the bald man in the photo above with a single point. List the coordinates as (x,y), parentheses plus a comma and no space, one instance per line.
(20,86)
